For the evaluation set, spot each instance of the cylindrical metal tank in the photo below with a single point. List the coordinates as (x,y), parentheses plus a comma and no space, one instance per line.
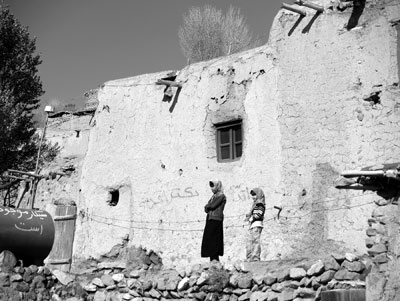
(29,234)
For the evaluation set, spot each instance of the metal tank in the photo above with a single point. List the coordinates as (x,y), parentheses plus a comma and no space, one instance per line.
(27,233)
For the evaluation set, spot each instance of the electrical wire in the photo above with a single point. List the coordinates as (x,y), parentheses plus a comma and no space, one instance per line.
(93,218)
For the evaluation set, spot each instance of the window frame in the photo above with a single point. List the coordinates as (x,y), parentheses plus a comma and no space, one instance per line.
(231,125)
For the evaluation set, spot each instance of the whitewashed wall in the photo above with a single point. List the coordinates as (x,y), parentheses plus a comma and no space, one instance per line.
(304,120)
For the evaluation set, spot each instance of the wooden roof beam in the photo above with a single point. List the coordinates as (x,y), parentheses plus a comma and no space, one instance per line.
(169,83)
(294,9)
(317,7)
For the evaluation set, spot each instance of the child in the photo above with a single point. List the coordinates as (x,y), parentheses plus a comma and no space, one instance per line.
(255,218)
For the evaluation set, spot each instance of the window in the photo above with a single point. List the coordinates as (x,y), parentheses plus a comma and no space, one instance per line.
(229,141)
(113,198)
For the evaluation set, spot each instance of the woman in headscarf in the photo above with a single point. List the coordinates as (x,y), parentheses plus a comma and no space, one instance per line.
(255,218)
(213,237)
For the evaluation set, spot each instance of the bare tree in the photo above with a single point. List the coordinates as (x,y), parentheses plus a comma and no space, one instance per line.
(200,36)
(236,34)
(206,33)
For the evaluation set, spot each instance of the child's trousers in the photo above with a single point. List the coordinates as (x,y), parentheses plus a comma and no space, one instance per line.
(253,245)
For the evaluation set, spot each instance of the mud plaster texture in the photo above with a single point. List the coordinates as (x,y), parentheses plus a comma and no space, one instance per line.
(301,99)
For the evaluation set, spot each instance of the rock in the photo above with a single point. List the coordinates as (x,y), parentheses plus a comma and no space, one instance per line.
(63,278)
(240,291)
(287,294)
(183,284)
(107,280)
(370,241)
(258,279)
(303,282)
(154,294)
(315,282)
(259,296)
(233,280)
(330,263)
(245,296)
(154,258)
(33,268)
(111,287)
(297,273)
(7,261)
(91,288)
(233,297)
(380,258)
(350,257)
(15,278)
(202,279)
(99,296)
(338,257)
(22,287)
(277,287)
(135,274)
(380,229)
(28,276)
(245,281)
(38,282)
(316,269)
(304,293)
(147,285)
(126,296)
(168,280)
(111,265)
(118,277)
(97,282)
(134,293)
(327,276)
(346,275)
(269,279)
(371,232)
(272,296)
(224,297)
(282,275)
(291,284)
(377,249)
(200,296)
(355,266)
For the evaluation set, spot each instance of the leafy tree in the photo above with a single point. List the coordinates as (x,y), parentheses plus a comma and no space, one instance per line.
(20,89)
(207,33)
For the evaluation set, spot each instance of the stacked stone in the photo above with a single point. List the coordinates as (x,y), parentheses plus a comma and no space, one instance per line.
(382,230)
(31,283)
(210,282)
(108,281)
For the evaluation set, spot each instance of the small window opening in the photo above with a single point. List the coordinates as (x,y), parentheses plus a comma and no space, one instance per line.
(77,133)
(229,141)
(113,198)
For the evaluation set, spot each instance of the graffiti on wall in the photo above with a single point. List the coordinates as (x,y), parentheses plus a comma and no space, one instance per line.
(238,193)
(163,196)
(235,193)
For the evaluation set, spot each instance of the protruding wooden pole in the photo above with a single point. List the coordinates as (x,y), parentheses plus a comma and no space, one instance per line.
(169,83)
(317,7)
(293,9)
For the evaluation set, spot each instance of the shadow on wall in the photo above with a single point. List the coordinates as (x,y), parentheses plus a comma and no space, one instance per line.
(382,178)
(358,9)
(324,177)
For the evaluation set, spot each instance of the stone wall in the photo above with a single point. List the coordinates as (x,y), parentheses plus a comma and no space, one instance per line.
(383,282)
(111,278)
(316,100)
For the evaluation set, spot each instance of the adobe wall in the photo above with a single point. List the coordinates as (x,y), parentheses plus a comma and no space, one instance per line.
(301,99)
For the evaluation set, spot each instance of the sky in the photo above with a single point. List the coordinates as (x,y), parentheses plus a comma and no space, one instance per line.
(84,43)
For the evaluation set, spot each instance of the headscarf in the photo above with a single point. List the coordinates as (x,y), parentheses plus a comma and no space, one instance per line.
(260,197)
(217,186)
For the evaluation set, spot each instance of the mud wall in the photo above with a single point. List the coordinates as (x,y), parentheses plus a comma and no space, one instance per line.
(307,113)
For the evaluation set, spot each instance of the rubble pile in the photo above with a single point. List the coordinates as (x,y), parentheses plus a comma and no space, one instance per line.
(239,282)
